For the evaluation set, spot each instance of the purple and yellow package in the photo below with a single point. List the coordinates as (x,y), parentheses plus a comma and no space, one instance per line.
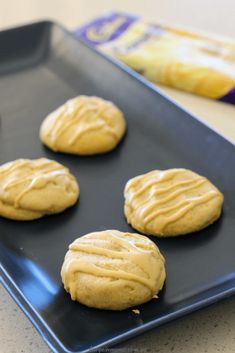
(177,58)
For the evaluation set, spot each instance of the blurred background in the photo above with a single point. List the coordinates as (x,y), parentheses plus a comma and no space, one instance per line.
(209,15)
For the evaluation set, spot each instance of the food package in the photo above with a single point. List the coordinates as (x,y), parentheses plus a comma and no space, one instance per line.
(170,56)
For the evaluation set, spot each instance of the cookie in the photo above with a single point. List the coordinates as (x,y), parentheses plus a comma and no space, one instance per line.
(83,125)
(171,202)
(113,270)
(31,189)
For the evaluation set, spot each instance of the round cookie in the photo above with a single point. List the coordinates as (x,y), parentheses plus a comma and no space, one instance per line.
(30,189)
(113,270)
(171,202)
(83,125)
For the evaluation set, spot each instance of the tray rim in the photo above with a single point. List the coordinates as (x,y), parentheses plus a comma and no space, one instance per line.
(41,326)
(56,345)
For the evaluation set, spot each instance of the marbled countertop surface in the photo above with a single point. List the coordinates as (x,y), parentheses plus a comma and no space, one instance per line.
(210,330)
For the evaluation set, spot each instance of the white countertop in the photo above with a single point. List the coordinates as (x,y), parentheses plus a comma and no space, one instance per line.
(212,329)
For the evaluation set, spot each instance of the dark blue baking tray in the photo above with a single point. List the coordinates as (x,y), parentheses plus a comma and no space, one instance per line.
(42,65)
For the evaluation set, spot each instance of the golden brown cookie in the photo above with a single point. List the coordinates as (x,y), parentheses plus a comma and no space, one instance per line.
(113,270)
(83,125)
(171,202)
(31,189)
